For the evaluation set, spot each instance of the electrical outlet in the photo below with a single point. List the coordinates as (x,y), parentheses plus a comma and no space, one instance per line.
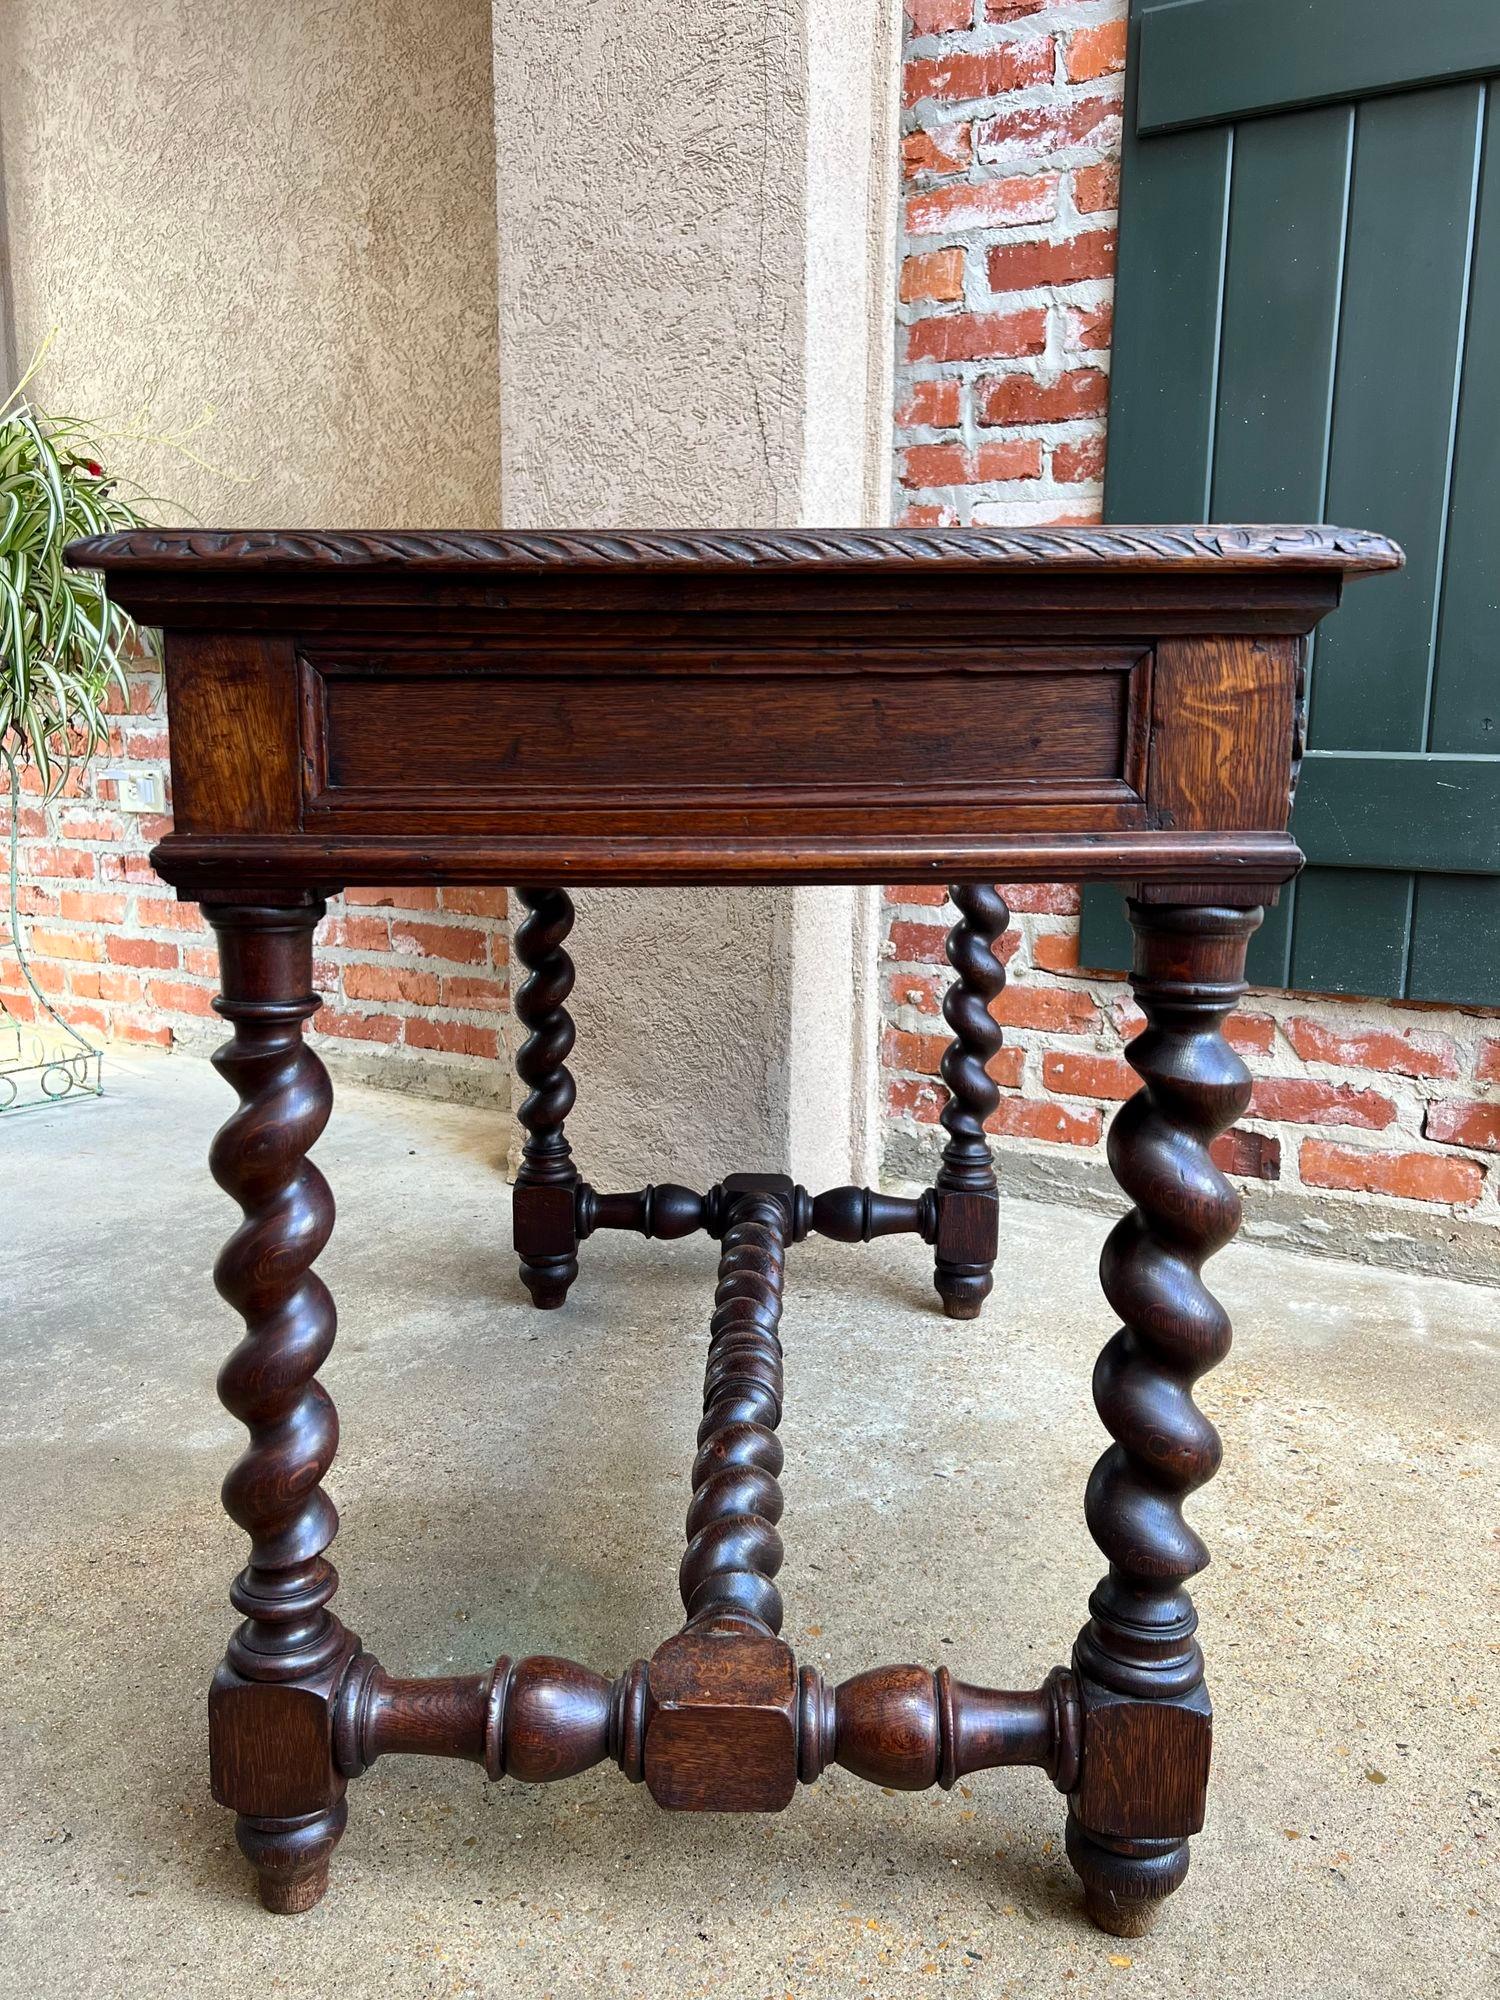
(137,791)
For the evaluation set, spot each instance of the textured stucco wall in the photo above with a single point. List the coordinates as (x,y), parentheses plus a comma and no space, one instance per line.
(650,170)
(285,211)
(694,331)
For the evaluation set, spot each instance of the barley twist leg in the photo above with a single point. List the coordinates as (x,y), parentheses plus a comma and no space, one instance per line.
(968,1207)
(544,1218)
(1147,1722)
(270,1707)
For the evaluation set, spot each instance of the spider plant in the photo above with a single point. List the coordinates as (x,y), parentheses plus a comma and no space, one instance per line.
(62,642)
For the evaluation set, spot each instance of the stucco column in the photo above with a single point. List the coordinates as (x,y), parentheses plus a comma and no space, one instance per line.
(695,237)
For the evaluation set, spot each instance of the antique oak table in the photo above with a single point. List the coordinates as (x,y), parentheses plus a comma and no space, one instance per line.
(964,707)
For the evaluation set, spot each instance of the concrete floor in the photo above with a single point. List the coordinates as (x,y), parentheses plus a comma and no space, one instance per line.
(513,1482)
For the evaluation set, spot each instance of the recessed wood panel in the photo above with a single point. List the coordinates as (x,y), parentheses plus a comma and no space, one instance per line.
(384,727)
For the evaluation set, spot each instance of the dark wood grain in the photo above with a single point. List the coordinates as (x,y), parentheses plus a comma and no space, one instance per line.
(966,707)
(270,1710)
(967,1197)
(235,743)
(734,1550)
(734,847)
(544,1217)
(1223,731)
(1114,547)
(553,731)
(908,1728)
(1147,1727)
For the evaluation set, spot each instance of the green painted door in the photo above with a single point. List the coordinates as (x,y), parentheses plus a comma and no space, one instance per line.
(1308,328)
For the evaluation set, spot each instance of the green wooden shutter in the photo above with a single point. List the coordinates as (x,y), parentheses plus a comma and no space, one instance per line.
(1308,328)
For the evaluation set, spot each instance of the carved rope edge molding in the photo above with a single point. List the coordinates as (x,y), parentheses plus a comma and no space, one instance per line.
(1324,547)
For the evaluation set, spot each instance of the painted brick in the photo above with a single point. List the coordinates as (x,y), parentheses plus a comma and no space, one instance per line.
(920,944)
(462,991)
(69,864)
(1018,267)
(385,982)
(1047,899)
(1300,1100)
(127,987)
(356,931)
(1487,1065)
(1057,1009)
(125,868)
(937,17)
(456,1038)
(916,990)
(1096,189)
(907,1097)
(77,823)
(177,996)
(155,953)
(923,1054)
(408,896)
(357,1027)
(927,514)
(1252,1155)
(933,274)
(1247,1033)
(982,205)
(1023,399)
(132,1030)
(1075,462)
(953,465)
(934,403)
(1089,1076)
(91,906)
(1094,52)
(937,149)
(471,900)
(1409,1176)
(1035,132)
(461,944)
(962,76)
(1053,1124)
(1354,1047)
(977,336)
(1457,1124)
(1087,329)
(163,912)
(1055,951)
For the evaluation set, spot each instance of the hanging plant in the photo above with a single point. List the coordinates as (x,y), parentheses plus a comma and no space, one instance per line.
(62,642)
(63,646)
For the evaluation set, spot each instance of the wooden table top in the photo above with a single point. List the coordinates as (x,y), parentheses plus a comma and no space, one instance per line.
(762,705)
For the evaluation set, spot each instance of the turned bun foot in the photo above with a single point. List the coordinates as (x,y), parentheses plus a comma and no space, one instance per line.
(963,1298)
(291,1856)
(1120,1918)
(1125,1883)
(548,1287)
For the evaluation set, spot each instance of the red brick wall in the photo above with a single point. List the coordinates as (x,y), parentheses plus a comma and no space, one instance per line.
(1011,134)
(417,976)
(1011,138)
